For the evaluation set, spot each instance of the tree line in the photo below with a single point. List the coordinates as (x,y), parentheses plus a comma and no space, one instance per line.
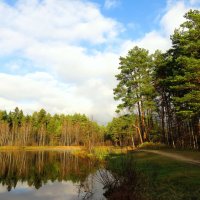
(159,93)
(159,97)
(42,128)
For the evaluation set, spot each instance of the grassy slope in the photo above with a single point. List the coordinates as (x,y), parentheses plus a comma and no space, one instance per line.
(167,179)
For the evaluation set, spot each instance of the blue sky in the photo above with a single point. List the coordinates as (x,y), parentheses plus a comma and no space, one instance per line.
(135,15)
(62,55)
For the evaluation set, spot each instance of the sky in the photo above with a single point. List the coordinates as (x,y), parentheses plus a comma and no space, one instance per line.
(63,55)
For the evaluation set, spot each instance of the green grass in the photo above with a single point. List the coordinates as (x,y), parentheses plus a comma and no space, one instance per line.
(153,146)
(101,152)
(166,179)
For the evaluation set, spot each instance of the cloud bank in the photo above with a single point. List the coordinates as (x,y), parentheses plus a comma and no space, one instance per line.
(62,55)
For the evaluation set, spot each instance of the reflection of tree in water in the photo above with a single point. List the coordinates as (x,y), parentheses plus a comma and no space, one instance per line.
(124,181)
(119,183)
(90,189)
(37,168)
(115,186)
(122,187)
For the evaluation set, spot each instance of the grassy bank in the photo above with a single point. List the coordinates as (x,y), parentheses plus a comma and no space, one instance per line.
(99,152)
(39,148)
(162,177)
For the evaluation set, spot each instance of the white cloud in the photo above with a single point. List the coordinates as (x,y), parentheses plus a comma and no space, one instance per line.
(73,50)
(194,2)
(173,18)
(41,90)
(49,34)
(55,20)
(73,63)
(151,41)
(160,39)
(111,3)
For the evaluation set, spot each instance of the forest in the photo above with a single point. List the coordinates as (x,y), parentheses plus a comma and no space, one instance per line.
(158,95)
(43,129)
(160,92)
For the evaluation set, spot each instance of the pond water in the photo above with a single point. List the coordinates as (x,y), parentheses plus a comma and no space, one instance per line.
(49,175)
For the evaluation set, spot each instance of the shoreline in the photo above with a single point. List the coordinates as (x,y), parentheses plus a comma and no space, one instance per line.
(40,148)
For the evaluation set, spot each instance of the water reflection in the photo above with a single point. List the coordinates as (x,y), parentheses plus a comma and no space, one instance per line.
(48,175)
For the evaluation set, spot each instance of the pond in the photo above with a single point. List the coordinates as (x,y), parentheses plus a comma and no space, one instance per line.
(49,175)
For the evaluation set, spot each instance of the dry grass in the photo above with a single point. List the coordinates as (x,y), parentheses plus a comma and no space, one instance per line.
(40,148)
(100,152)
(153,146)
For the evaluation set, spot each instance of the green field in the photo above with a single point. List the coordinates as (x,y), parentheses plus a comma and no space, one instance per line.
(163,178)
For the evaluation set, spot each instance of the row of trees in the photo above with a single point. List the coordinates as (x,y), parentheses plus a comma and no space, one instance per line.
(160,92)
(41,129)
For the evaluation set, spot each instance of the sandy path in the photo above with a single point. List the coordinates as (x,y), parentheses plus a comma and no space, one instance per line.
(174,156)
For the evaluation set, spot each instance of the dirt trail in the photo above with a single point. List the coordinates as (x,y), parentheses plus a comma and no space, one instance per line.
(174,156)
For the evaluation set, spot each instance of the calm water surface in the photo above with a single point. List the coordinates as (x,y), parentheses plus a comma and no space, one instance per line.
(48,175)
